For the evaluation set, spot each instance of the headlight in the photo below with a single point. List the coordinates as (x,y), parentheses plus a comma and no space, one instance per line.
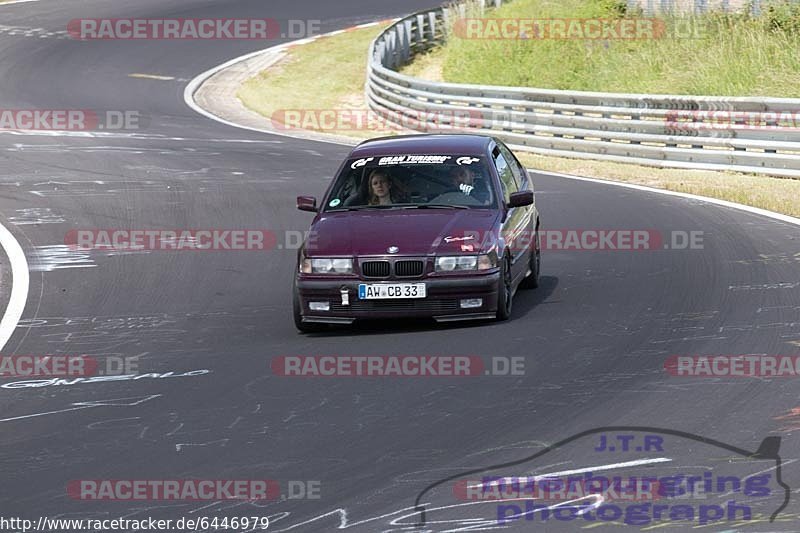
(451,263)
(343,266)
(327,266)
(456,262)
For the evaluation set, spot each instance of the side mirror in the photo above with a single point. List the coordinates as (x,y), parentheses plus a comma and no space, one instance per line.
(520,199)
(307,203)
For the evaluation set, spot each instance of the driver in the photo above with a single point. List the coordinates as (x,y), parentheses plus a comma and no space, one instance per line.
(464,180)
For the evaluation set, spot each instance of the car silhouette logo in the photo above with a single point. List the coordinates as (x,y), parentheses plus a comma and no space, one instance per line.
(476,486)
(393,249)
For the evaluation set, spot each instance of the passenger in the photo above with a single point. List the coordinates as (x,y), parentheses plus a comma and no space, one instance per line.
(380,188)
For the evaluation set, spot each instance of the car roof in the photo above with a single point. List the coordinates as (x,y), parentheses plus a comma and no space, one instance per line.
(424,144)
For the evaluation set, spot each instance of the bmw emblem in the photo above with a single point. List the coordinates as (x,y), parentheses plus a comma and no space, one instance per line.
(393,249)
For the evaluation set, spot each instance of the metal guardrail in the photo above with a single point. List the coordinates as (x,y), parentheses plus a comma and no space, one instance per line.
(698,6)
(757,135)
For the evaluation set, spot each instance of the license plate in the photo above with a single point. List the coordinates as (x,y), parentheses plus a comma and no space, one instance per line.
(386,291)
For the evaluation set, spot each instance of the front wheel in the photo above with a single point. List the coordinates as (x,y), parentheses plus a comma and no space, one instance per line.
(505,293)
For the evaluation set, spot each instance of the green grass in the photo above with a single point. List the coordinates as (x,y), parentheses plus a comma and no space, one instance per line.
(314,76)
(727,55)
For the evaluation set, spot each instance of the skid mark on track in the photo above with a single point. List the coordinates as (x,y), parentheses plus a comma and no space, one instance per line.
(790,421)
(222,442)
(37,33)
(771,259)
(58,257)
(35,215)
(765,286)
(106,334)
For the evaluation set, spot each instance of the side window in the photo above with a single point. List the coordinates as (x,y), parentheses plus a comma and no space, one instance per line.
(506,175)
(519,174)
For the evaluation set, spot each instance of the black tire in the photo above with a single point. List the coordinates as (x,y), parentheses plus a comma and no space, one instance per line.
(303,327)
(532,280)
(505,292)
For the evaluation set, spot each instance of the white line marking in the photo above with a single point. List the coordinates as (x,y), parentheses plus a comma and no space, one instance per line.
(87,405)
(16,2)
(20,280)
(638,462)
(151,76)
(724,203)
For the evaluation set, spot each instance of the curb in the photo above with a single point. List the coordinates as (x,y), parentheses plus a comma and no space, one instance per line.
(213,93)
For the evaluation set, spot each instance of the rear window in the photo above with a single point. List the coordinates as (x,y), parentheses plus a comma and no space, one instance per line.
(412,180)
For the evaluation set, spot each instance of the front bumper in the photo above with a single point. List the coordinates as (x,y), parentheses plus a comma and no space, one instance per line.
(442,301)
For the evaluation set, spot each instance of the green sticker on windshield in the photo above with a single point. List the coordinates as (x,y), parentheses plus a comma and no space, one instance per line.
(334,202)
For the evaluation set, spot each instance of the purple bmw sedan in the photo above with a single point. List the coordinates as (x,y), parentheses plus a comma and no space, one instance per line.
(441,226)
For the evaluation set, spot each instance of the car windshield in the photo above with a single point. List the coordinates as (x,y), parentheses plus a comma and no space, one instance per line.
(413,181)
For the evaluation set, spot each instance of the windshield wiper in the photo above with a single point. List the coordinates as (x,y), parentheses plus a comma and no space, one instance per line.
(437,206)
(360,207)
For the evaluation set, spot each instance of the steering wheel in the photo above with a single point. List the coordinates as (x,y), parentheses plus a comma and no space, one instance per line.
(455,198)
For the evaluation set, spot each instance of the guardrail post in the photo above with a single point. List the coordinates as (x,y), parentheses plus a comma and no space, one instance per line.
(392,49)
(405,41)
(432,25)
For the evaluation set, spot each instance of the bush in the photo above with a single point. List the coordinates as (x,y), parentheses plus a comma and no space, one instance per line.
(613,8)
(782,16)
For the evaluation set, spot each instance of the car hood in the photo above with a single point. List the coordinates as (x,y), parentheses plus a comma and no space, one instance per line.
(414,231)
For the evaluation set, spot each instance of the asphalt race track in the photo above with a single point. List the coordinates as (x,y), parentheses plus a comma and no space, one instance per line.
(594,336)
